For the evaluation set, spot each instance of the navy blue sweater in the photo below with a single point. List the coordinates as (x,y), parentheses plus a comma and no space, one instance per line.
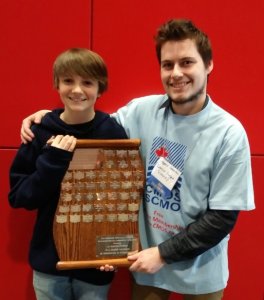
(35,177)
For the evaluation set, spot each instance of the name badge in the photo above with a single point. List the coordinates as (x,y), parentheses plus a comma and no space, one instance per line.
(163,177)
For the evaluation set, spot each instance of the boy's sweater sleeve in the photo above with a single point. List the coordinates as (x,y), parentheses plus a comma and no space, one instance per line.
(36,174)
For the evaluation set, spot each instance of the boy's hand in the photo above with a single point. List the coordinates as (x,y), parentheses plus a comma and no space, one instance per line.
(26,134)
(108,268)
(65,142)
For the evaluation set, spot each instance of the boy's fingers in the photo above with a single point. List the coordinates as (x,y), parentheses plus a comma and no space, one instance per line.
(66,142)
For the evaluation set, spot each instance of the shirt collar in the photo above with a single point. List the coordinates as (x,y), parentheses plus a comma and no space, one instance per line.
(167,102)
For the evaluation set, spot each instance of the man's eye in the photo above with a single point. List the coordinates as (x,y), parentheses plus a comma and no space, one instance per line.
(187,62)
(166,65)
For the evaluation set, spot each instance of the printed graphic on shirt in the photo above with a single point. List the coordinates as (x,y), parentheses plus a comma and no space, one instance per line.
(175,154)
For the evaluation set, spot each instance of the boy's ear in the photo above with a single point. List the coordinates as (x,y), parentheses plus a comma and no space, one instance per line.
(56,86)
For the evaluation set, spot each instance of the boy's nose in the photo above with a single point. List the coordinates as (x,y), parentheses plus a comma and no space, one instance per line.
(77,88)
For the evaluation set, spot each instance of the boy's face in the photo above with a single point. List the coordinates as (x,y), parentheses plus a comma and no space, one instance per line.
(184,75)
(78,94)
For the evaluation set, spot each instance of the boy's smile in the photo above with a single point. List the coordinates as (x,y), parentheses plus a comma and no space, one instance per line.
(77,99)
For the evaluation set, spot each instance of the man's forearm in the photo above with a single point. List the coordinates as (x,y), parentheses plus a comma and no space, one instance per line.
(199,236)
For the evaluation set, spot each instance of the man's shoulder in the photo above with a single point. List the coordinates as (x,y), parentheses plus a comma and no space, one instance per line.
(147,103)
(223,121)
(150,98)
(227,117)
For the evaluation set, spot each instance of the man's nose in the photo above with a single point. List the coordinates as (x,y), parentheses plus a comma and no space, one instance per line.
(176,72)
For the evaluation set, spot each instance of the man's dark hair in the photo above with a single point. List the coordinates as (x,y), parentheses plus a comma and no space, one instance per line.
(180,29)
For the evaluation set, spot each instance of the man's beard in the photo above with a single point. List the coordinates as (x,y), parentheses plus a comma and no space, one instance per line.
(194,97)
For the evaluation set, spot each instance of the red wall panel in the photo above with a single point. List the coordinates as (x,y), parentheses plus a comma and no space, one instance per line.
(16,229)
(33,33)
(247,247)
(123,33)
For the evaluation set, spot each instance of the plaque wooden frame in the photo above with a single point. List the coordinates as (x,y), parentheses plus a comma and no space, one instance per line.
(96,218)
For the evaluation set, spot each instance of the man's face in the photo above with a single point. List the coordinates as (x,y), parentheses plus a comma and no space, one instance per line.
(184,76)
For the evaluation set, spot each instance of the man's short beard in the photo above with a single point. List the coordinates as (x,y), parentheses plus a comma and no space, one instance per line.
(192,98)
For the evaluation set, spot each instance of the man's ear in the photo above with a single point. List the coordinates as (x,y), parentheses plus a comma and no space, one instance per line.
(210,67)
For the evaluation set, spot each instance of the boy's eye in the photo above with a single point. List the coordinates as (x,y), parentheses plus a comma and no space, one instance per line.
(87,82)
(67,80)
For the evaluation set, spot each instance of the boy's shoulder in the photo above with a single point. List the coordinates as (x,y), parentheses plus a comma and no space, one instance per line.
(108,126)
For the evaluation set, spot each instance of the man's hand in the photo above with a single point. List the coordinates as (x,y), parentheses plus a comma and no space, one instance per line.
(147,261)
(26,134)
(65,142)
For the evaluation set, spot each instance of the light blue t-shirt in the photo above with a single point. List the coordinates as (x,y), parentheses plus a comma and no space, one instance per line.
(211,150)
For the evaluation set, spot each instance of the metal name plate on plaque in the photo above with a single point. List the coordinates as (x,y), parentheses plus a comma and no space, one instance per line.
(97,213)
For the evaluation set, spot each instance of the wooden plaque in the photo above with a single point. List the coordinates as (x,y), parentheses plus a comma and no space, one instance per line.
(97,213)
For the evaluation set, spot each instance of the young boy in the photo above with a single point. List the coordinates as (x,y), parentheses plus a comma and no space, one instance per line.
(80,77)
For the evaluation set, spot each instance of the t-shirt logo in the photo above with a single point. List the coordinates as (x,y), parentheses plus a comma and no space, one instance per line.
(162,152)
(175,154)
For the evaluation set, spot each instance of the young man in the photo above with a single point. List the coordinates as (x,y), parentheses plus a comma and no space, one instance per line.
(80,77)
(198,171)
